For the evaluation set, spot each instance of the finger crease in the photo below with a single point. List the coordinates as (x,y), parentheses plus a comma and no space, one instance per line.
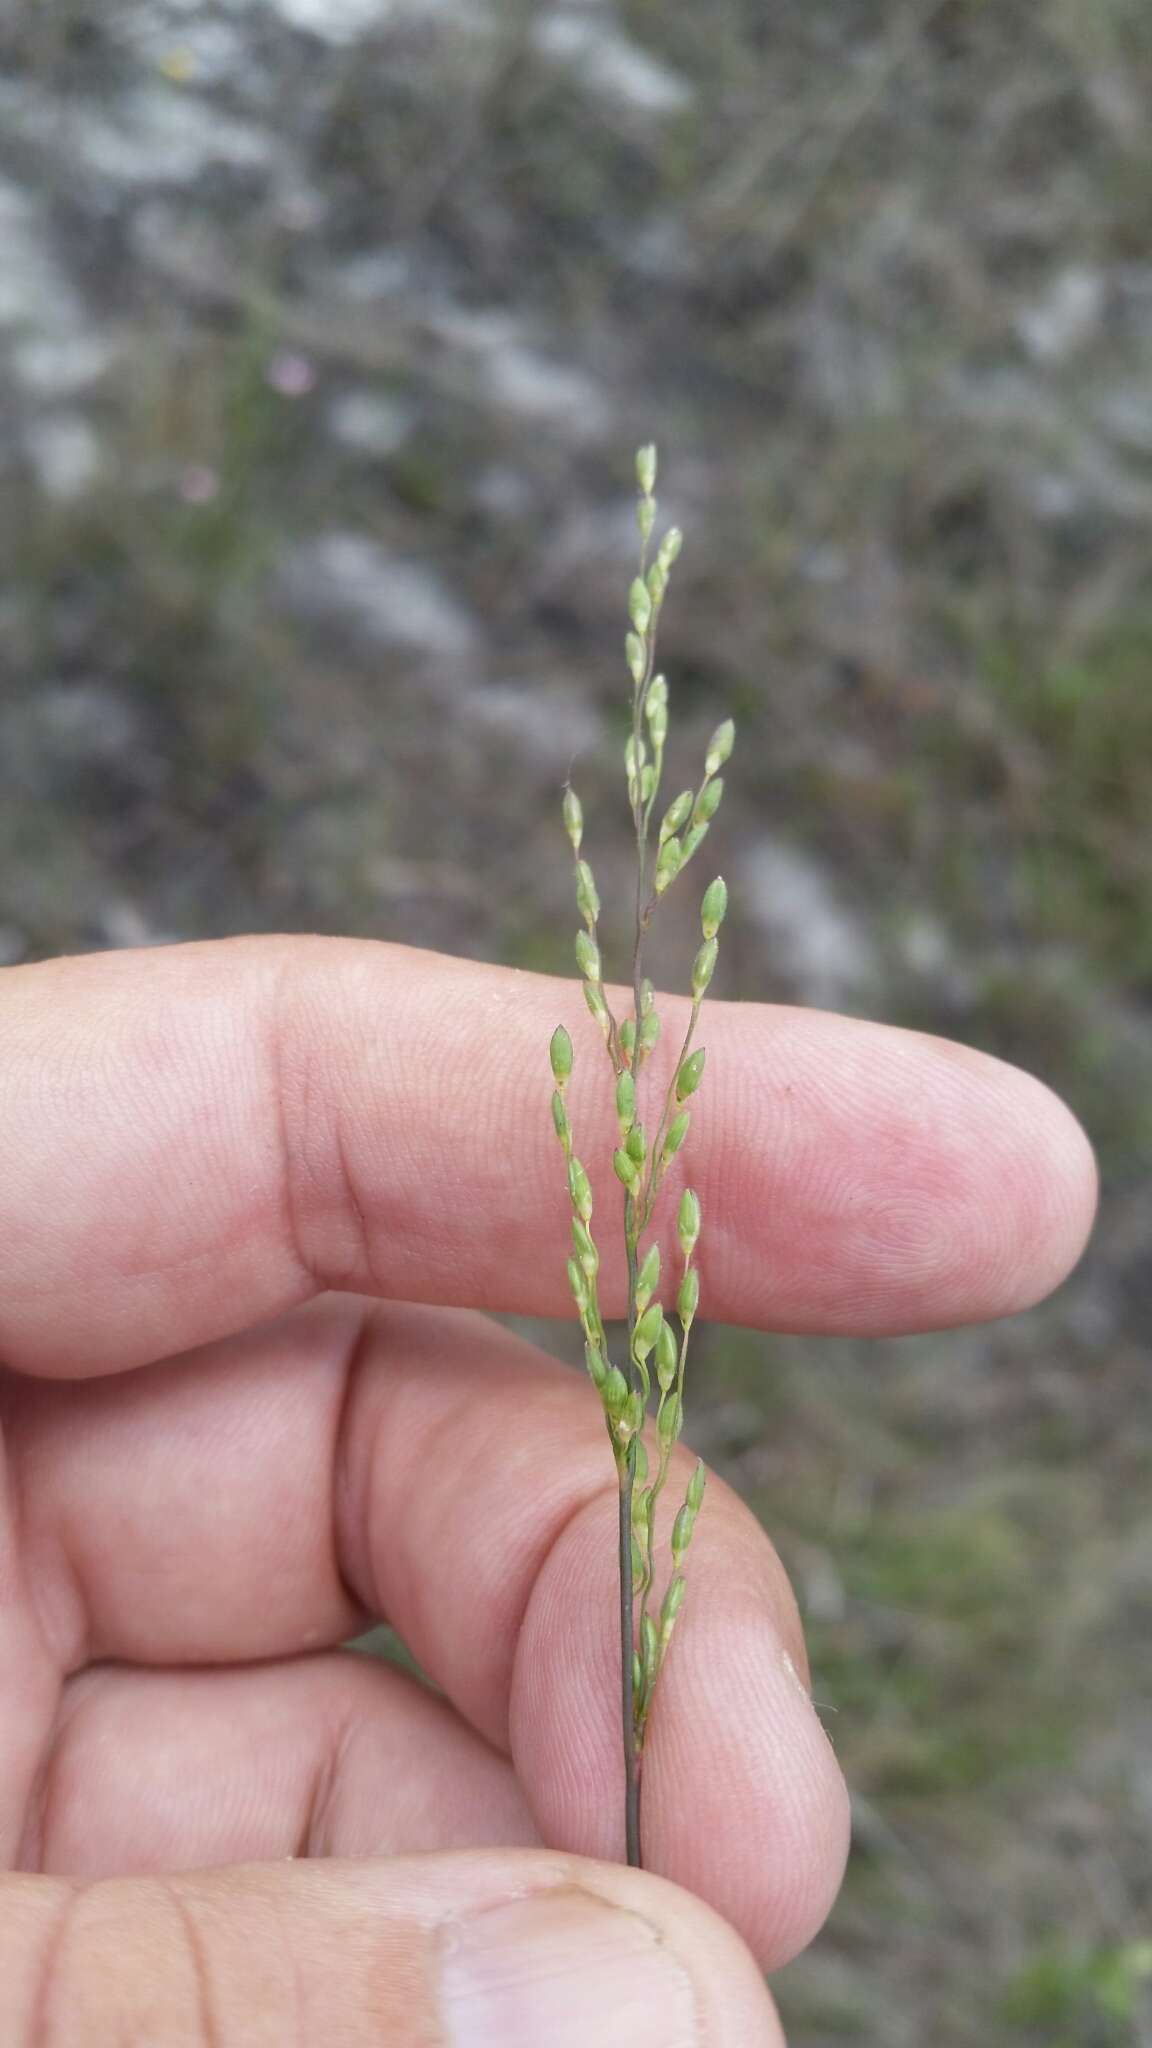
(354,1209)
(206,2013)
(316,1827)
(40,2027)
(356,1574)
(291,1228)
(50,1583)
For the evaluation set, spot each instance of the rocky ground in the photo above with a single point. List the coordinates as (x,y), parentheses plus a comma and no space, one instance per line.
(327,328)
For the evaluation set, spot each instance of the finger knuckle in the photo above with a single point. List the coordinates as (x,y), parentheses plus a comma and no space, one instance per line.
(116,1961)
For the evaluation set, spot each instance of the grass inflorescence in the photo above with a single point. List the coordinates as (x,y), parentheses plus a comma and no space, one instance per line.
(644,1430)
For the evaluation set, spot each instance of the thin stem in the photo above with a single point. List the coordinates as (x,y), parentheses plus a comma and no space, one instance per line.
(627,1470)
(627,1488)
(658,1486)
(642,812)
(643,911)
(654,1174)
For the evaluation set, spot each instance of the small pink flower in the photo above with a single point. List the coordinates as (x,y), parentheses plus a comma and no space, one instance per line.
(293,376)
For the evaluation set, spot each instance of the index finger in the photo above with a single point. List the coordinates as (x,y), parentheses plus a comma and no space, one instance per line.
(198,1137)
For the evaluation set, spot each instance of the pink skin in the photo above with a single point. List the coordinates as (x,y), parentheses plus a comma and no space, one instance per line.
(199,1145)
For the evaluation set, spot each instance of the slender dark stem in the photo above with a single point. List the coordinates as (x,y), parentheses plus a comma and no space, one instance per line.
(628,1472)
(653,1187)
(627,1687)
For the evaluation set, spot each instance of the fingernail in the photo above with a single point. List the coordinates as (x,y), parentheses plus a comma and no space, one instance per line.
(563,1969)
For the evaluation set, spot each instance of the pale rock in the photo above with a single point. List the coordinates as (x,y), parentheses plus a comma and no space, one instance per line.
(814,941)
(522,377)
(345,21)
(610,63)
(34,292)
(65,454)
(58,366)
(1066,316)
(367,423)
(348,577)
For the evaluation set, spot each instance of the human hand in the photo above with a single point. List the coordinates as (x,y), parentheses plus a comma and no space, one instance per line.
(228,1171)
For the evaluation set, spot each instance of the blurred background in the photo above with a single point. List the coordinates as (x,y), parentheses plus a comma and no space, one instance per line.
(327,330)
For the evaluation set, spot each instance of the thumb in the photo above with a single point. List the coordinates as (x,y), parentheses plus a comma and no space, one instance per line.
(521,1948)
